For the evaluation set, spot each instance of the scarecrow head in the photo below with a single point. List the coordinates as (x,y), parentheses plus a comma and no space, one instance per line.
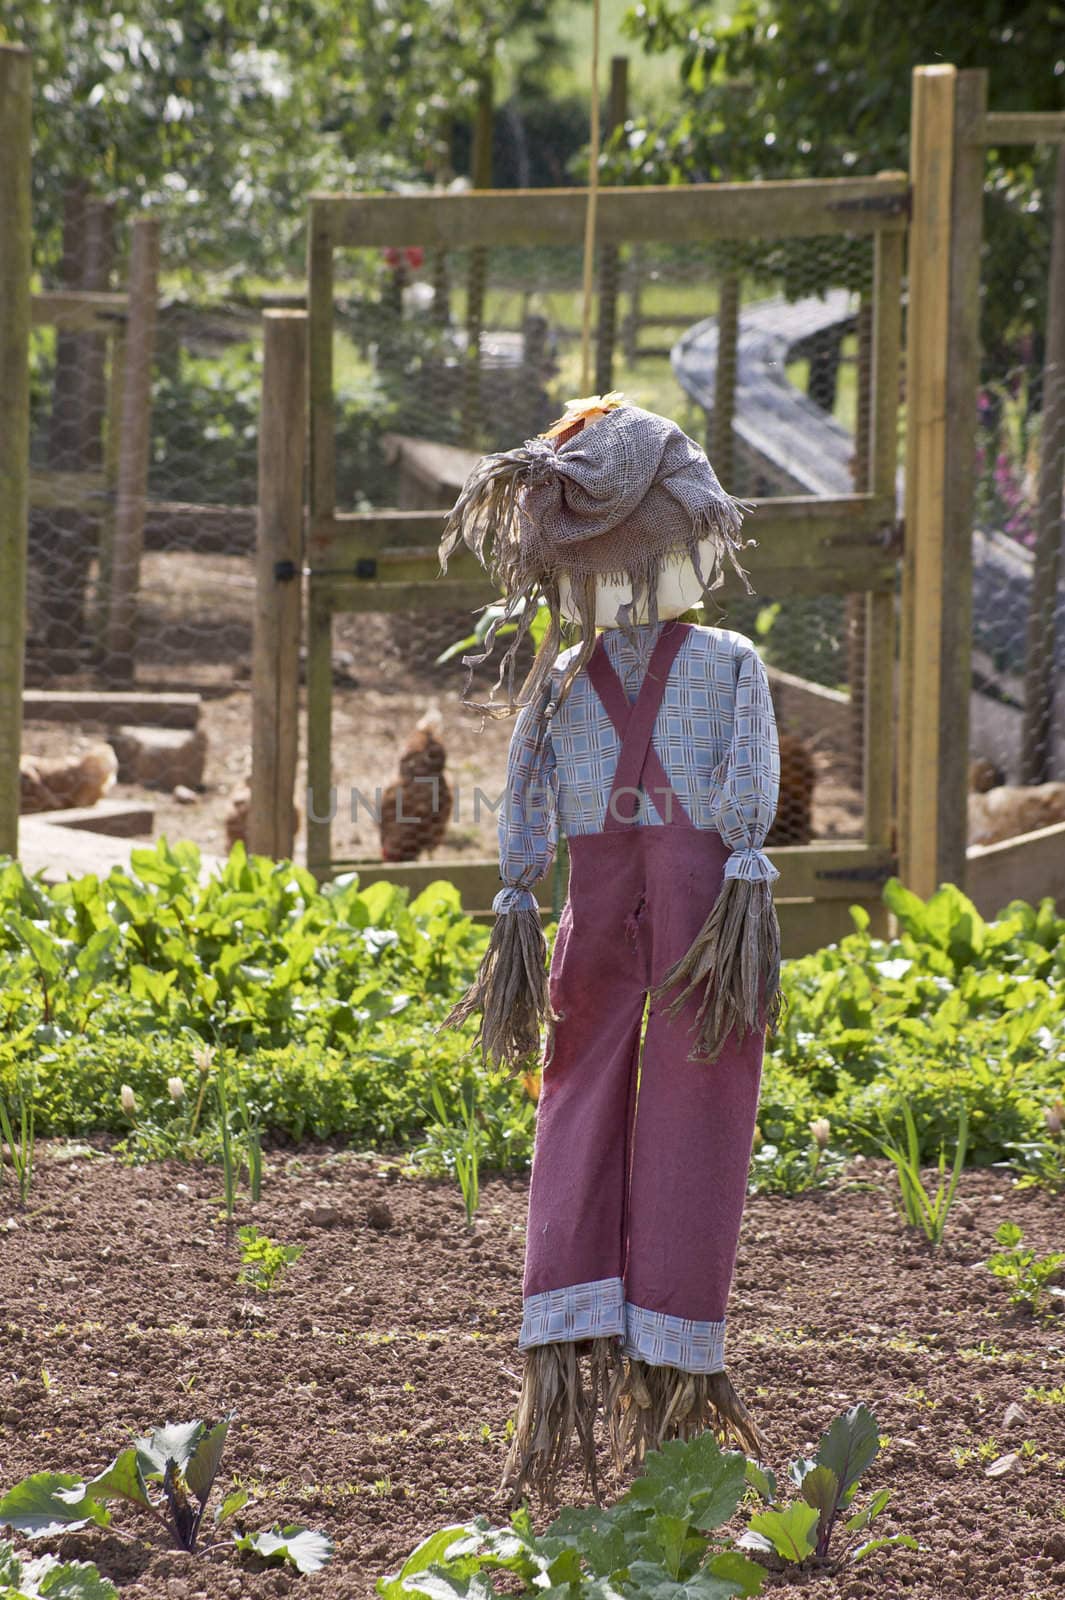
(612,518)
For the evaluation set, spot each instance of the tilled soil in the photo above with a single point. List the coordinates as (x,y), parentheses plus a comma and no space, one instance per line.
(372,1388)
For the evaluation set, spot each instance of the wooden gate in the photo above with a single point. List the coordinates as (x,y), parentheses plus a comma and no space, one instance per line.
(386,560)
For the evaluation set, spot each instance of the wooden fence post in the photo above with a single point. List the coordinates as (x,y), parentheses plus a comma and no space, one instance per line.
(1039,688)
(923,849)
(278,586)
(722,437)
(607,328)
(133,457)
(477,275)
(15,263)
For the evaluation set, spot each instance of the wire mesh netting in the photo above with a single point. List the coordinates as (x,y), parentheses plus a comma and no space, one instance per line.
(1017,726)
(413,410)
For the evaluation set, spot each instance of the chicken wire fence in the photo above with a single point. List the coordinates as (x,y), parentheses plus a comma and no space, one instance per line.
(413,409)
(1017,722)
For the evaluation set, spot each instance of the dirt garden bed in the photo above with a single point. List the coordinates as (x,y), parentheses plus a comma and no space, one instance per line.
(372,1388)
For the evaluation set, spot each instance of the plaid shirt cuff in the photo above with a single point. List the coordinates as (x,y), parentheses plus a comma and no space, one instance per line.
(514,900)
(752,866)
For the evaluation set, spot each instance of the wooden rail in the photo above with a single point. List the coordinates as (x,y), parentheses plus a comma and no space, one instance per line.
(15,103)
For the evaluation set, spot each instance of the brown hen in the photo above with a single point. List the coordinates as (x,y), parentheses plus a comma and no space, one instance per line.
(416,809)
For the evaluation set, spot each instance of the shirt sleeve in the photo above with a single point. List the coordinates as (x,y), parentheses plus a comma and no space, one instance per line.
(749,776)
(528,817)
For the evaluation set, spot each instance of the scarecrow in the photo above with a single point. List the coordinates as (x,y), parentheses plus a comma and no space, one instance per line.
(651,745)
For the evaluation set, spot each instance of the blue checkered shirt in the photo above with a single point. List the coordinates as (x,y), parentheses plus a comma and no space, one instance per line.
(715,735)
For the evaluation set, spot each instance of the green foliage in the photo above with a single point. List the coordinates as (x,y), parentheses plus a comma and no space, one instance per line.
(827,1485)
(181,1460)
(457,1143)
(325,1004)
(929,1214)
(18,1127)
(49,1577)
(1031,1278)
(222,116)
(301,1547)
(263,1260)
(780,89)
(657,1542)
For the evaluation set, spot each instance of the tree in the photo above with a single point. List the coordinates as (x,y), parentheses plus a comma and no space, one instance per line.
(783,88)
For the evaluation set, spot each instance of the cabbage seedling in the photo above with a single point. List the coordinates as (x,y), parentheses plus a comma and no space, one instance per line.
(181,1459)
(827,1485)
(48,1576)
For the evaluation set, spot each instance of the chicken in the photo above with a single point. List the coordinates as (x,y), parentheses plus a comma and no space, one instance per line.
(1009,810)
(235,820)
(236,817)
(415,810)
(794,818)
(68,782)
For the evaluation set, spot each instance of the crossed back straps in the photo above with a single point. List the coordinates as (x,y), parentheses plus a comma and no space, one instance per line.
(638,765)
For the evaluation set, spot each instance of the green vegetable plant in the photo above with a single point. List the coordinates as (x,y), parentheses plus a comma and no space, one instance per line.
(263,1260)
(47,1576)
(18,1127)
(1031,1277)
(459,1142)
(658,1542)
(1041,1162)
(168,1474)
(924,1212)
(827,1485)
(802,1167)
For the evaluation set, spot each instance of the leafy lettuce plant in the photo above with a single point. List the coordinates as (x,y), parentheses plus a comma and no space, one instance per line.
(827,1485)
(182,1461)
(48,1578)
(658,1542)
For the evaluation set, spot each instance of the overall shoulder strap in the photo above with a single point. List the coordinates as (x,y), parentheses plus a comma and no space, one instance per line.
(638,762)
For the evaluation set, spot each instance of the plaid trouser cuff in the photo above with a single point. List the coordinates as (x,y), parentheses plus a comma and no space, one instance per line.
(600,1311)
(665,1341)
(584,1311)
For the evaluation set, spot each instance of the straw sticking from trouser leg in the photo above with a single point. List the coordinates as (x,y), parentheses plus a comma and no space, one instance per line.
(657,1403)
(510,992)
(734,964)
(556,1415)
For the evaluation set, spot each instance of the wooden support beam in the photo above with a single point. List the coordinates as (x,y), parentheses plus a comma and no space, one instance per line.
(115,709)
(962,381)
(689,213)
(881,631)
(722,437)
(319,730)
(924,590)
(134,449)
(278,586)
(1021,127)
(609,263)
(79,310)
(1039,673)
(15,265)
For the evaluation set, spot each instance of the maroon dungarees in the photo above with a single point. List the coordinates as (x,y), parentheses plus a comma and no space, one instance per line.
(636,1198)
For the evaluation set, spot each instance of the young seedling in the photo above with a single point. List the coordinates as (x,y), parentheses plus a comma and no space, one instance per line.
(1030,1277)
(21,1144)
(827,1485)
(927,1214)
(464,1151)
(169,1474)
(263,1260)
